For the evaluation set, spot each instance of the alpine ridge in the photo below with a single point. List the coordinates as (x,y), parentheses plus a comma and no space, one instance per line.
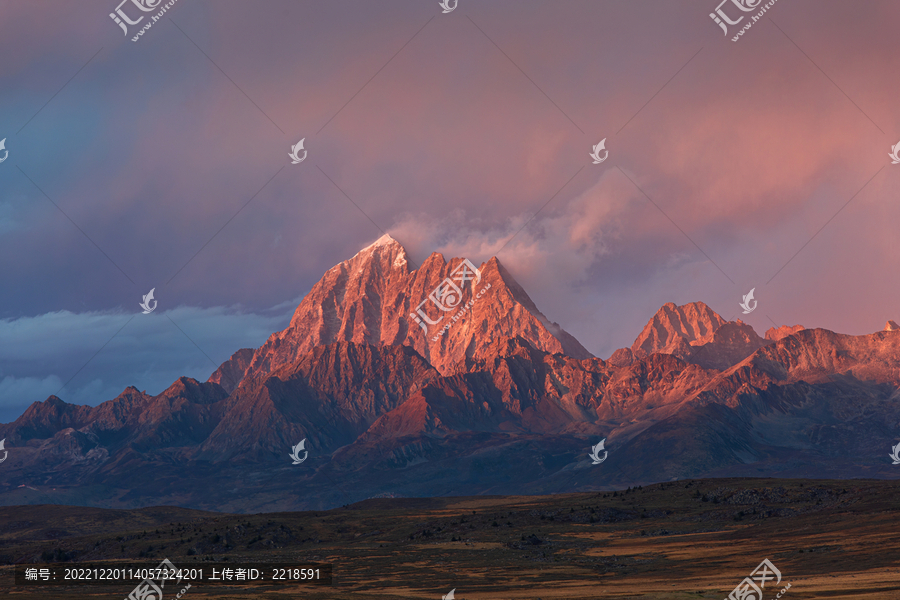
(503,402)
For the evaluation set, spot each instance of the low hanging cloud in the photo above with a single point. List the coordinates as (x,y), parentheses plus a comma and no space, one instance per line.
(90,357)
(557,246)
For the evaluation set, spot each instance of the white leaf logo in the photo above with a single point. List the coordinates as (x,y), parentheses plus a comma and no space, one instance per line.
(595,452)
(295,153)
(895,154)
(596,153)
(146,303)
(295,452)
(746,303)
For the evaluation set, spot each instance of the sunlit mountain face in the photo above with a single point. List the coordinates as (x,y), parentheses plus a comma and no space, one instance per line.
(385,406)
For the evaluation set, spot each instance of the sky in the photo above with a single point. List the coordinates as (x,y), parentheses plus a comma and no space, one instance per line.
(163,163)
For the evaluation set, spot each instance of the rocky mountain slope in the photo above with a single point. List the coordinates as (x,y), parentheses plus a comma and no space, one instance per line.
(503,402)
(695,334)
(371,299)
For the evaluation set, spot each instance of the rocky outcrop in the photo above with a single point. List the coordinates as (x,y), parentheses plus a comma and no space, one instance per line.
(776,333)
(818,355)
(730,344)
(673,329)
(695,333)
(329,396)
(621,357)
(231,372)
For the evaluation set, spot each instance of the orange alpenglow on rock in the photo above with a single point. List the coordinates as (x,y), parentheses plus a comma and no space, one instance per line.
(774,334)
(368,300)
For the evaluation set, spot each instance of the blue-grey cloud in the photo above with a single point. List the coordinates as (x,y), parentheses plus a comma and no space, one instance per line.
(54,353)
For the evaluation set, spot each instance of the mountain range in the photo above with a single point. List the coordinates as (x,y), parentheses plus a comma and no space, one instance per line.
(447,380)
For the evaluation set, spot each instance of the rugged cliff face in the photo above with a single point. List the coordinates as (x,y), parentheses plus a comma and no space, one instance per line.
(695,334)
(503,402)
(375,298)
(776,333)
(673,329)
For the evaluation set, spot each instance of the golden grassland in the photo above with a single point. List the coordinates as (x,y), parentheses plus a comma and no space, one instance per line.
(687,539)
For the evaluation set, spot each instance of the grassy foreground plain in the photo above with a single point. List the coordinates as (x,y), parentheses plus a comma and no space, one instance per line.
(685,539)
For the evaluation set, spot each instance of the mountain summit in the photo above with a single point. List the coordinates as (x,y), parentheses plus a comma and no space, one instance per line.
(374,297)
(674,328)
(696,334)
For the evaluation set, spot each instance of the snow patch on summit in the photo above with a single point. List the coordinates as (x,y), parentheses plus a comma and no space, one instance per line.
(385,240)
